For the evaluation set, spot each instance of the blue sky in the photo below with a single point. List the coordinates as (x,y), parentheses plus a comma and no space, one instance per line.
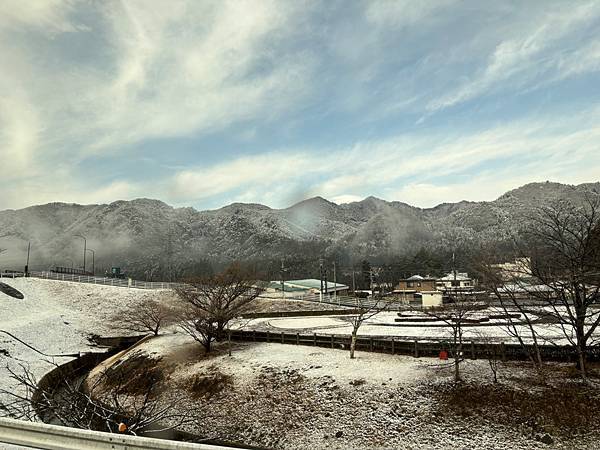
(201,103)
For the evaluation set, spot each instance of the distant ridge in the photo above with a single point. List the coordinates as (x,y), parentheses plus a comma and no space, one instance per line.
(149,237)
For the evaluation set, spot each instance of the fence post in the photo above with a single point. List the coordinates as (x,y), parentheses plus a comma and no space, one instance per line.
(503,351)
(254,335)
(332,341)
(392,346)
(315,339)
(473,350)
(282,338)
(297,338)
(370,344)
(268,338)
(416,349)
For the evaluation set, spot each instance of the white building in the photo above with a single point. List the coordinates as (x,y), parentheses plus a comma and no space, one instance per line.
(455,281)
(518,269)
(430,299)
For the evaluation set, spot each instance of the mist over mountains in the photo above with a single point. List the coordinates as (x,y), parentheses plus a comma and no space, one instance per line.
(153,240)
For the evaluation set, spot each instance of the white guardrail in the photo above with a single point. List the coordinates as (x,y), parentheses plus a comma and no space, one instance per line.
(51,437)
(128,283)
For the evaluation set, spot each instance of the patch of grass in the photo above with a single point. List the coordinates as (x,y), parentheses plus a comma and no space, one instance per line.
(569,409)
(205,385)
(135,375)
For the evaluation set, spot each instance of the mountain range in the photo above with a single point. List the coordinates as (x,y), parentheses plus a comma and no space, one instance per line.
(151,239)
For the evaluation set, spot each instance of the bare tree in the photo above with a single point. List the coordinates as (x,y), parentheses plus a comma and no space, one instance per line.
(127,396)
(492,353)
(565,249)
(563,277)
(366,310)
(149,317)
(510,287)
(460,310)
(210,303)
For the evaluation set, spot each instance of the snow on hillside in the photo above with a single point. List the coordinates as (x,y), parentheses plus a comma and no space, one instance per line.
(56,317)
(144,233)
(296,397)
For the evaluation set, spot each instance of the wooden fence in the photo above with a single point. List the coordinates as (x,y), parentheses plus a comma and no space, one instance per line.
(416,348)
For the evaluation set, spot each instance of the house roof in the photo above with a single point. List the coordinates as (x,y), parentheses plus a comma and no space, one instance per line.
(277,285)
(460,276)
(419,278)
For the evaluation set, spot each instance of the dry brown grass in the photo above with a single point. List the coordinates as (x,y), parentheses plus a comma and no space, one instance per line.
(569,408)
(207,384)
(135,375)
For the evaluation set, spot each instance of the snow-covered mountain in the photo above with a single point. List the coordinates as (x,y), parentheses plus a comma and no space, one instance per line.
(149,237)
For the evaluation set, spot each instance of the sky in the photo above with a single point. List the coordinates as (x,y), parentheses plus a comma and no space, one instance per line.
(202,103)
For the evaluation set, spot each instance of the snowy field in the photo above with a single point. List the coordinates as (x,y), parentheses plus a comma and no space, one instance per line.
(383,324)
(56,317)
(298,397)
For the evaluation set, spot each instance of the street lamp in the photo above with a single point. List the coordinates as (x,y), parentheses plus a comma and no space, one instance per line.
(93,260)
(84,248)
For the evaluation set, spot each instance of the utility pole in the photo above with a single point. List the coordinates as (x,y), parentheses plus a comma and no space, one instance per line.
(27,264)
(84,248)
(454,267)
(93,260)
(353,282)
(334,284)
(321,278)
(282,280)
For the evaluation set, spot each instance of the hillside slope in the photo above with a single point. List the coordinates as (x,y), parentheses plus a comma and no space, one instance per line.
(150,238)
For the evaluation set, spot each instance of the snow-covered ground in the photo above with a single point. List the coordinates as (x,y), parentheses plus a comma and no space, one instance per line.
(56,317)
(297,397)
(383,324)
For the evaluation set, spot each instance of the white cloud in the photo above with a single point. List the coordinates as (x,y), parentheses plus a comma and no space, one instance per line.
(49,15)
(346,198)
(142,71)
(193,69)
(517,61)
(399,13)
(412,168)
(153,70)
(262,170)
